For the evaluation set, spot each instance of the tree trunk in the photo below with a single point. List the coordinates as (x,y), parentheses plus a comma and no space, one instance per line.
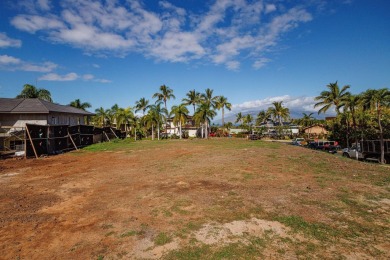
(206,130)
(135,133)
(202,131)
(223,115)
(180,129)
(152,132)
(382,159)
(158,130)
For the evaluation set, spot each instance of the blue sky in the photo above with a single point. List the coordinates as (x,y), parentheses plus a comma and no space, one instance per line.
(253,52)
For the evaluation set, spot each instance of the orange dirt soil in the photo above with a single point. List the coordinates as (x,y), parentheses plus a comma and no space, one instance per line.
(114,203)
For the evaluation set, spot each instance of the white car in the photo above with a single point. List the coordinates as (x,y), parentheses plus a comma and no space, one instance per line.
(297,141)
(353,152)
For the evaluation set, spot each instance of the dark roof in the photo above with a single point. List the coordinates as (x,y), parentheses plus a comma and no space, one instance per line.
(36,106)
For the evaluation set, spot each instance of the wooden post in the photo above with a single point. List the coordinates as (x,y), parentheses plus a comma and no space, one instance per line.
(106,136)
(32,144)
(71,139)
(113,132)
(25,143)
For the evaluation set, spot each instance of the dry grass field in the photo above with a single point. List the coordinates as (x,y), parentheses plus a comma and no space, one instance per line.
(194,199)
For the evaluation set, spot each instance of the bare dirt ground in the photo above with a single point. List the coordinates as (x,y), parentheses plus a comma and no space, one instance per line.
(194,199)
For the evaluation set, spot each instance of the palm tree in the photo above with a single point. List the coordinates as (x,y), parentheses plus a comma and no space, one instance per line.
(332,97)
(113,114)
(221,102)
(101,116)
(203,115)
(151,120)
(307,119)
(124,117)
(142,104)
(248,119)
(77,104)
(193,98)
(262,117)
(376,100)
(279,112)
(159,115)
(30,91)
(179,116)
(207,98)
(165,94)
(239,118)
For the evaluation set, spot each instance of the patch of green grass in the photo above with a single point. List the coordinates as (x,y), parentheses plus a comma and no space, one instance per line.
(251,249)
(107,226)
(109,233)
(162,238)
(130,233)
(318,231)
(179,205)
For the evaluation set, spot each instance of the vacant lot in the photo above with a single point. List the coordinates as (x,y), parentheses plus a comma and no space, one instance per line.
(194,199)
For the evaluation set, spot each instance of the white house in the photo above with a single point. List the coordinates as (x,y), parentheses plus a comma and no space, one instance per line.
(188,127)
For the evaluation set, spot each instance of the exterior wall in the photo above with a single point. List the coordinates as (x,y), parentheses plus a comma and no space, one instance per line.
(192,133)
(20,120)
(315,130)
(237,130)
(65,119)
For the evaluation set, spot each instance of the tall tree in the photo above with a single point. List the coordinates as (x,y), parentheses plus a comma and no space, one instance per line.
(248,119)
(164,95)
(332,97)
(262,117)
(193,98)
(113,114)
(204,114)
(239,118)
(142,104)
(307,119)
(80,105)
(376,100)
(208,98)
(30,91)
(124,117)
(159,114)
(279,112)
(101,116)
(221,102)
(179,113)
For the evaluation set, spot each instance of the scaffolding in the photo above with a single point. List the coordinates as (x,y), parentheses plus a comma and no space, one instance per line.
(40,140)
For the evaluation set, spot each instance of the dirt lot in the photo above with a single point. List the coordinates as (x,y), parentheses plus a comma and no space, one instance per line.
(194,199)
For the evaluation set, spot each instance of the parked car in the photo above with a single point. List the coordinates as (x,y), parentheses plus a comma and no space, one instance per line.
(354,152)
(298,141)
(325,145)
(369,150)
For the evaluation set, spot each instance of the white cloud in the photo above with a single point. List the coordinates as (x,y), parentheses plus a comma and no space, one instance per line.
(6,60)
(43,4)
(56,77)
(299,104)
(269,8)
(43,67)
(33,23)
(6,42)
(233,65)
(227,33)
(13,64)
(88,76)
(260,63)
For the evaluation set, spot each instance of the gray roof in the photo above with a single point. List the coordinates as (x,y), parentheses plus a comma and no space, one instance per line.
(36,106)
